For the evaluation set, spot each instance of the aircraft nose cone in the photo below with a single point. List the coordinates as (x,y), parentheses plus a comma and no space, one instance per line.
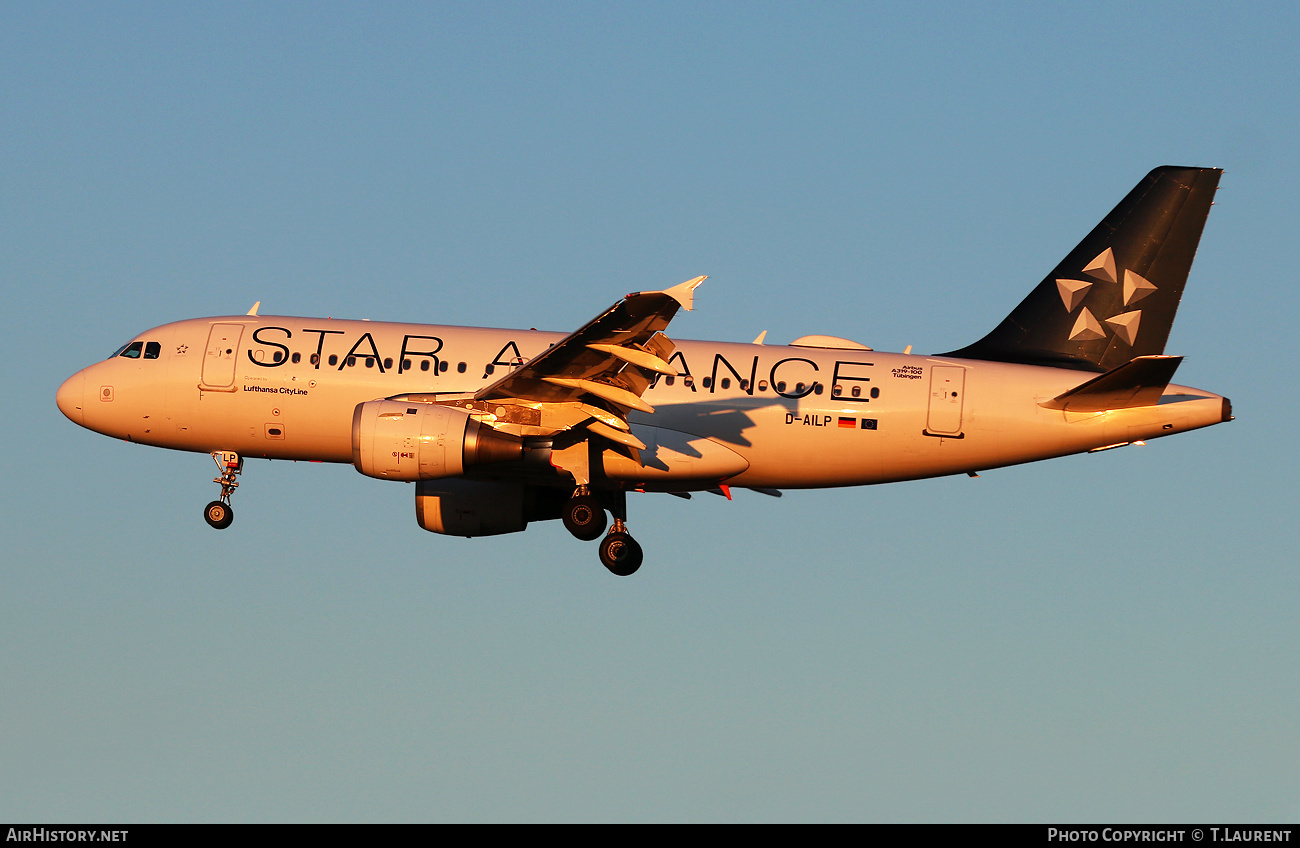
(71,397)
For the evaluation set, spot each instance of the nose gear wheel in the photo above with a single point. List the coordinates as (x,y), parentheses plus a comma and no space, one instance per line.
(218,513)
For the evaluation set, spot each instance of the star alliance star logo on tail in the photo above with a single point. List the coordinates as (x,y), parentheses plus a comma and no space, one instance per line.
(1125,324)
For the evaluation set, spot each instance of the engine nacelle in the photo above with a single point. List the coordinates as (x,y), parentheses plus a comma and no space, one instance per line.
(462,507)
(399,440)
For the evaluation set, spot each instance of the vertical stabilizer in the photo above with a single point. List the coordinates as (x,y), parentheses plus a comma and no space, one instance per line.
(1114,296)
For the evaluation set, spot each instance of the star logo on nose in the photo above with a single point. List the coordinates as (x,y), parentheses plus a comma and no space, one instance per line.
(180,349)
(1103,270)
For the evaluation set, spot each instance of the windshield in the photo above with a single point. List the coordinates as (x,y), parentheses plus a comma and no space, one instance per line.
(131,350)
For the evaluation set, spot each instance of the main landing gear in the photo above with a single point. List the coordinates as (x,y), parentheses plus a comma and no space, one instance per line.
(584,517)
(218,514)
(619,551)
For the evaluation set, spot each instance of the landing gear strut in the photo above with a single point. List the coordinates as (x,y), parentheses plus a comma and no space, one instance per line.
(619,552)
(218,514)
(583,515)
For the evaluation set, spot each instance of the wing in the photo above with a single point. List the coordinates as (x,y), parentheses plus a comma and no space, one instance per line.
(605,366)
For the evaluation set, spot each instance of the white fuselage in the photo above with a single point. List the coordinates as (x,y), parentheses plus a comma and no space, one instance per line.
(286,388)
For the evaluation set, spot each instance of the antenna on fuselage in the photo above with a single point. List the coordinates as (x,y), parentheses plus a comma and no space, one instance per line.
(256,306)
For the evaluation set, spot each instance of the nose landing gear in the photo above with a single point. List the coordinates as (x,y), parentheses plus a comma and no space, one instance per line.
(218,514)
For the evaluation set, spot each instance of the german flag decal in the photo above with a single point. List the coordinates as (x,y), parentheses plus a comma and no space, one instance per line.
(848,423)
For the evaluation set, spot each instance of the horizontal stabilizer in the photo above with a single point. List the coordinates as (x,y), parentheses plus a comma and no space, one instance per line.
(1138,382)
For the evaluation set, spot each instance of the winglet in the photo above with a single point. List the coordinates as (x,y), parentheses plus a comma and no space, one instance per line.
(684,293)
(256,306)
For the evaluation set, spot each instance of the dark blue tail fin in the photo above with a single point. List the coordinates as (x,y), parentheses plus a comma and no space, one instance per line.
(1114,297)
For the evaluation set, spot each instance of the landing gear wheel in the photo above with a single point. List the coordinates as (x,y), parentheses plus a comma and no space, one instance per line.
(584,517)
(218,514)
(620,553)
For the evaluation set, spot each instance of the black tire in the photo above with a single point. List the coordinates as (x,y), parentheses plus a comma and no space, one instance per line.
(218,514)
(584,517)
(621,554)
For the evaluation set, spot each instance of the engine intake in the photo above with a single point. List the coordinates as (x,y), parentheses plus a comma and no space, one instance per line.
(400,440)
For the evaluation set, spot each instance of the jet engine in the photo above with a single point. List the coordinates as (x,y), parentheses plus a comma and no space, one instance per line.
(483,507)
(400,440)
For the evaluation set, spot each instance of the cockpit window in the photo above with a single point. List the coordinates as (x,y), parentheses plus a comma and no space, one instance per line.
(132,351)
(151,350)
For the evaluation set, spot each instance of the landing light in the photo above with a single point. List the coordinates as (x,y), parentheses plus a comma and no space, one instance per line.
(1138,442)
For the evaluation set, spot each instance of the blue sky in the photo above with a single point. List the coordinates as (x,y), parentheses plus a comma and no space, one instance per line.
(1109,637)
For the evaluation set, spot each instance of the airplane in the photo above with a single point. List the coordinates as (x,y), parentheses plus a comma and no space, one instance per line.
(498,428)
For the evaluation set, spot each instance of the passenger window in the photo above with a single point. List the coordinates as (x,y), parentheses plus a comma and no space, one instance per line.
(424,365)
(370,362)
(277,356)
(670,379)
(875,393)
(726,382)
(706,382)
(132,351)
(817,388)
(406,365)
(488,370)
(352,361)
(151,350)
(388,362)
(762,385)
(442,367)
(297,357)
(857,391)
(315,359)
(460,367)
(334,359)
